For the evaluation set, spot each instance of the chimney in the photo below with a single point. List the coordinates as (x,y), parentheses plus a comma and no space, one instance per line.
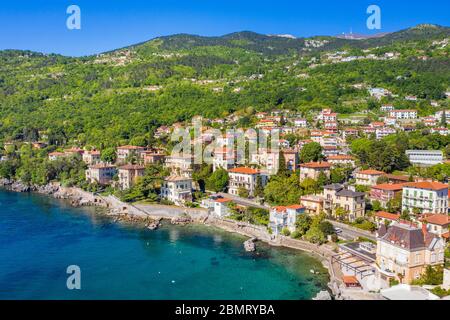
(424,228)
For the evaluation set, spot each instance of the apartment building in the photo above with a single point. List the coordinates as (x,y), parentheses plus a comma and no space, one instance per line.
(338,196)
(425,158)
(284,217)
(101,173)
(313,170)
(385,192)
(404,251)
(246,178)
(124,153)
(180,165)
(91,157)
(128,175)
(341,160)
(425,197)
(368,177)
(406,114)
(177,189)
(437,223)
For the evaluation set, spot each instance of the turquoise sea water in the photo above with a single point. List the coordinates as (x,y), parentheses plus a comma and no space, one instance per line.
(40,237)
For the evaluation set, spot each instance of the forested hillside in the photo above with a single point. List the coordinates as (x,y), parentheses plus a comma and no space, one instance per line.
(118,96)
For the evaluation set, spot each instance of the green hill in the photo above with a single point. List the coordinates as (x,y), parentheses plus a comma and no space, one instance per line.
(125,94)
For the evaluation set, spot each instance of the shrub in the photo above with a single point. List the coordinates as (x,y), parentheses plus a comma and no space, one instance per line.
(286,232)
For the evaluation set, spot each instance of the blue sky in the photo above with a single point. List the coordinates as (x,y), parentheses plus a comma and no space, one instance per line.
(40,25)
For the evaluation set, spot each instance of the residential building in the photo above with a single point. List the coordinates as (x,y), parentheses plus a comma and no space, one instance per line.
(128,175)
(341,160)
(91,157)
(313,170)
(385,192)
(403,114)
(313,204)
(368,177)
(224,158)
(380,133)
(125,153)
(101,173)
(437,223)
(425,158)
(56,155)
(338,196)
(387,108)
(425,197)
(292,159)
(246,178)
(180,165)
(177,189)
(152,157)
(284,217)
(404,251)
(221,208)
(385,218)
(300,123)
(441,131)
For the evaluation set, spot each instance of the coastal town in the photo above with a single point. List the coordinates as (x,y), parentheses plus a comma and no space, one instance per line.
(383,234)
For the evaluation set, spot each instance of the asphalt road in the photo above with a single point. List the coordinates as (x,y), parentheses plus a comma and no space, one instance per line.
(350,234)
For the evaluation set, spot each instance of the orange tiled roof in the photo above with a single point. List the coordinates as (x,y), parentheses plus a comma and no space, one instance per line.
(244,170)
(340,157)
(446,235)
(387,215)
(427,185)
(316,165)
(371,172)
(223,200)
(350,280)
(438,219)
(389,186)
(295,207)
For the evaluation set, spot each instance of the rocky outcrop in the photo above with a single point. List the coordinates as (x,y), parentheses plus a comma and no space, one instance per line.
(182,220)
(5,182)
(153,225)
(249,245)
(19,186)
(323,295)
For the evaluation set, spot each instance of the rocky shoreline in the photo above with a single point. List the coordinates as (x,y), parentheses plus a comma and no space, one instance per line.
(127,213)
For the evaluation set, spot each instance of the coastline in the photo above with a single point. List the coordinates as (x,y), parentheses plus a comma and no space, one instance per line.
(150,216)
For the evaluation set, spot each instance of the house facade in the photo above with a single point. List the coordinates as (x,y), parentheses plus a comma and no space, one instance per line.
(338,196)
(368,177)
(313,170)
(404,251)
(385,192)
(246,178)
(101,173)
(177,189)
(425,197)
(284,217)
(128,175)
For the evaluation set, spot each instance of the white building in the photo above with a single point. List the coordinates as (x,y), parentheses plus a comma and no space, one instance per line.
(387,108)
(285,217)
(246,178)
(403,114)
(177,189)
(221,208)
(441,131)
(425,157)
(368,177)
(380,133)
(427,197)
